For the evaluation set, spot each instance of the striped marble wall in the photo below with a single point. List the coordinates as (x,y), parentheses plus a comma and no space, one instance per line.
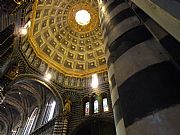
(144,82)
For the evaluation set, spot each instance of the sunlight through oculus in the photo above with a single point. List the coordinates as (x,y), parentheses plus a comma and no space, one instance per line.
(83,17)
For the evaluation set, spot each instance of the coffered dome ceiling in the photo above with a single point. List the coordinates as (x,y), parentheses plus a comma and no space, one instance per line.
(61,42)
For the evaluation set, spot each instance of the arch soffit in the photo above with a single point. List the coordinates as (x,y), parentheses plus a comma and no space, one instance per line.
(34,78)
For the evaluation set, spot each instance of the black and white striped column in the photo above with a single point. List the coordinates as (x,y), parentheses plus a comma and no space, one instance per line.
(144,83)
(171,45)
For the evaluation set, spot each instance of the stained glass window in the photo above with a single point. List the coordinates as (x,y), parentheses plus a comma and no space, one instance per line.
(87,108)
(96,106)
(105,105)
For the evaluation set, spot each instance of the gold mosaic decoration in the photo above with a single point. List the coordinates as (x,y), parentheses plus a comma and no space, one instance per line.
(58,40)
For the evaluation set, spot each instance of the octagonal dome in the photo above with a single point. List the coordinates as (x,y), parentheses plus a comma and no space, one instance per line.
(64,44)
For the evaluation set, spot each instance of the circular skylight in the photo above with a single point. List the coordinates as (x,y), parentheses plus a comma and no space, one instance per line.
(83,17)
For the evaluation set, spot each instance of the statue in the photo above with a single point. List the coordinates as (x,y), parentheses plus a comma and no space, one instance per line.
(67,106)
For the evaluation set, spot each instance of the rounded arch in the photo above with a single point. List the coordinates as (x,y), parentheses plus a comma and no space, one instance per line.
(95,103)
(109,104)
(43,82)
(30,91)
(104,94)
(92,124)
(85,98)
(105,102)
(86,106)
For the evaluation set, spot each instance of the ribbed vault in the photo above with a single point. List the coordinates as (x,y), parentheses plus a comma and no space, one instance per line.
(21,97)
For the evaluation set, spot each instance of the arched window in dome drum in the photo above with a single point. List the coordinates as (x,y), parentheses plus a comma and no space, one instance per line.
(87,108)
(96,106)
(105,105)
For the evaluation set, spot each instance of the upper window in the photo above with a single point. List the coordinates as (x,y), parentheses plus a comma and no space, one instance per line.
(96,109)
(87,108)
(105,105)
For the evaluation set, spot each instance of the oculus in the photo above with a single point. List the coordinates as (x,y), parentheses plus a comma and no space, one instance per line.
(82,17)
